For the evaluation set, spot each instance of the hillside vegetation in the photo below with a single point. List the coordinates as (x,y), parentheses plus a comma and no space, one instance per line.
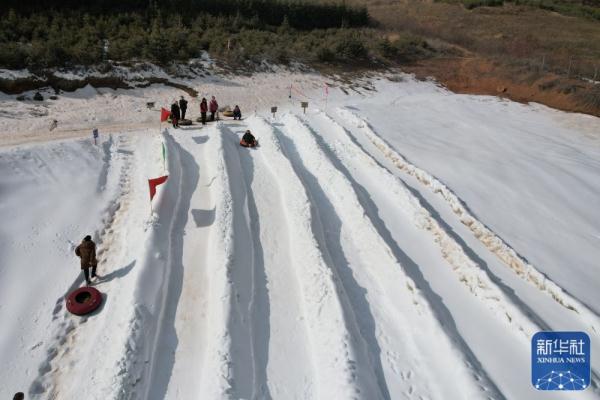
(578,8)
(46,34)
(522,49)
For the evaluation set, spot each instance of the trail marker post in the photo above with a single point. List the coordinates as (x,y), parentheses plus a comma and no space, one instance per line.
(273,111)
(95,135)
(304,104)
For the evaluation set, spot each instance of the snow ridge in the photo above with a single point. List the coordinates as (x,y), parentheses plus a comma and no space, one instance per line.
(146,330)
(216,377)
(300,139)
(341,367)
(495,244)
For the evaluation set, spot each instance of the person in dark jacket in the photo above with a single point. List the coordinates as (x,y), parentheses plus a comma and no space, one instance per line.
(19,396)
(175,114)
(237,113)
(213,108)
(249,139)
(203,110)
(183,107)
(86,251)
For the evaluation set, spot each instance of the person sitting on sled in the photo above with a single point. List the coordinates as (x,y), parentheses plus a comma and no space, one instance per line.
(237,113)
(249,138)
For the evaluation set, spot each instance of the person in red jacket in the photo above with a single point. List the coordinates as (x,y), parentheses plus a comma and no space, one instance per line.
(203,110)
(213,107)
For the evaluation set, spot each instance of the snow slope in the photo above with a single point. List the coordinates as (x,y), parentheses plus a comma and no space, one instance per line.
(397,242)
(536,178)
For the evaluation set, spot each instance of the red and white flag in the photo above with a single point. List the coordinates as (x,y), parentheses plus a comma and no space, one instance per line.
(153,183)
(164,114)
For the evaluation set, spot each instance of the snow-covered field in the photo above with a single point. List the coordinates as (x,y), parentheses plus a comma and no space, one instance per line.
(398,241)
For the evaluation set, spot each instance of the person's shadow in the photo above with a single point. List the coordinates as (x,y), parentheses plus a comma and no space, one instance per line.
(119,273)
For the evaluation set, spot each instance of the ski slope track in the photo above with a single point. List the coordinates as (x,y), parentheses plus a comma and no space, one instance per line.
(514,261)
(320,265)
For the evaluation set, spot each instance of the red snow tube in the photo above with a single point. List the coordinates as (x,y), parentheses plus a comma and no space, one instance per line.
(84,300)
(243,143)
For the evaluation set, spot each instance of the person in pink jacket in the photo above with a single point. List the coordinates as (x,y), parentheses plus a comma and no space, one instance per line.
(213,107)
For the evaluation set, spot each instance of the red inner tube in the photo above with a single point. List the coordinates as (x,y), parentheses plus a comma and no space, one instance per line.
(84,300)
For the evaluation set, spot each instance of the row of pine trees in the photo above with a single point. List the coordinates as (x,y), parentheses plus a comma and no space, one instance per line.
(53,33)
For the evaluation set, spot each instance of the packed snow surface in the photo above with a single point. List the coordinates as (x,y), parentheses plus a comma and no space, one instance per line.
(394,241)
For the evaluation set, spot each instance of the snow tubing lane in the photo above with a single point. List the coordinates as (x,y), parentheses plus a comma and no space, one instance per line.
(84,300)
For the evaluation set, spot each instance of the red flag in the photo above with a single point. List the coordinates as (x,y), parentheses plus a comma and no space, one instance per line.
(164,115)
(154,183)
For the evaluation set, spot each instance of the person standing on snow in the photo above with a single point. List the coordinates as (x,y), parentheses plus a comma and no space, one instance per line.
(203,110)
(175,114)
(95,135)
(183,107)
(214,107)
(86,251)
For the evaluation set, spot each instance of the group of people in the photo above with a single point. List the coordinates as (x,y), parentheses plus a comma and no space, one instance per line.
(213,107)
(179,108)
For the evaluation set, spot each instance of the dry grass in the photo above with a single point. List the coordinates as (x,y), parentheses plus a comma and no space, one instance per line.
(523,53)
(509,32)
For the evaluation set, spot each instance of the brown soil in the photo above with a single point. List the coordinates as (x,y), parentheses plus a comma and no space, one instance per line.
(519,52)
(475,75)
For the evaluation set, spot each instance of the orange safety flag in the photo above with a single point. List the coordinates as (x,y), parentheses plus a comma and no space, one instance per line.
(164,114)
(154,183)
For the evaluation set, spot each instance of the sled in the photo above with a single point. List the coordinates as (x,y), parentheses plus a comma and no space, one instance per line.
(199,119)
(227,113)
(243,143)
(84,300)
